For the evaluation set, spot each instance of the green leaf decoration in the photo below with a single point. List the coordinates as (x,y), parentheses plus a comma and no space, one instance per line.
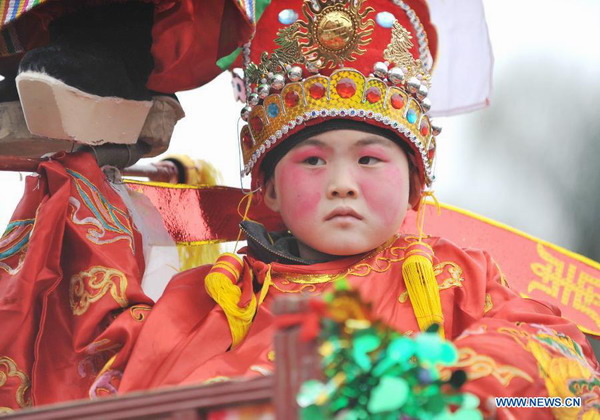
(390,394)
(341,284)
(374,372)
(429,347)
(313,412)
(448,354)
(401,349)
(469,401)
(467,414)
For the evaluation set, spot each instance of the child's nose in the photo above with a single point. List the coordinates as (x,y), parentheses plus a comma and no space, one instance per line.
(342,185)
(343,192)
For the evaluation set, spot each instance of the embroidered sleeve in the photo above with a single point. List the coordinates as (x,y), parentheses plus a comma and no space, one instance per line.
(523,348)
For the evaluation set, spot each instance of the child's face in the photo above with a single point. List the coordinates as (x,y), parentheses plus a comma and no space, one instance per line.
(342,192)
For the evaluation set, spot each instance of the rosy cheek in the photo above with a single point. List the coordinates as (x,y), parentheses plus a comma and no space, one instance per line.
(302,191)
(386,193)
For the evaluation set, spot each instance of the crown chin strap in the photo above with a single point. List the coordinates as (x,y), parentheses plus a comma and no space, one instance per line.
(248,198)
(419,277)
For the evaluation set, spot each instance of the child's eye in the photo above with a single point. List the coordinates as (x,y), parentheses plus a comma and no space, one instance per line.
(314,161)
(368,160)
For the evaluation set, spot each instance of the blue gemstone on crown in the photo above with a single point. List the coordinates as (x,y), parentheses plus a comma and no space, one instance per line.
(384,19)
(288,16)
(411,116)
(273,110)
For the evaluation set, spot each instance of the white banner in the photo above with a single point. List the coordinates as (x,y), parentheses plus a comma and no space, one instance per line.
(462,75)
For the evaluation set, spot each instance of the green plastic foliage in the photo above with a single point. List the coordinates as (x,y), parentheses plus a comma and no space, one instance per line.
(374,372)
(388,395)
(365,342)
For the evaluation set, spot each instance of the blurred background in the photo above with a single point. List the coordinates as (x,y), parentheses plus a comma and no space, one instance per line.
(528,160)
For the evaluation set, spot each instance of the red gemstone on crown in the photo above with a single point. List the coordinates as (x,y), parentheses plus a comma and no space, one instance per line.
(431,154)
(373,94)
(256,124)
(316,90)
(397,101)
(291,99)
(346,88)
(247,140)
(424,129)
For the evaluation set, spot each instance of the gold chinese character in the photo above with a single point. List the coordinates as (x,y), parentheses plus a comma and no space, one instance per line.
(557,279)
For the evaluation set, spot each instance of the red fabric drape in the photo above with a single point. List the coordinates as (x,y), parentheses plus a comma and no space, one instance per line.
(70,266)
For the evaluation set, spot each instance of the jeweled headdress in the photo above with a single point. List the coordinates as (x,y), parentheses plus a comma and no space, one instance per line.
(316,60)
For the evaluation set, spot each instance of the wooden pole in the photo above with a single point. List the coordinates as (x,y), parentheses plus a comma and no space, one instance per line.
(19,164)
(163,171)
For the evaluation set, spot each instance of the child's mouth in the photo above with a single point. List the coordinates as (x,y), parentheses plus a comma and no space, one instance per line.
(343,214)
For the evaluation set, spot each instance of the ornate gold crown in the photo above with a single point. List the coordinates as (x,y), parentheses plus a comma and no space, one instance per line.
(306,79)
(347,93)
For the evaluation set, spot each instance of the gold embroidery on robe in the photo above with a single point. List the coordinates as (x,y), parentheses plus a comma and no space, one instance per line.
(520,336)
(288,282)
(568,375)
(381,264)
(478,366)
(488,305)
(90,286)
(455,280)
(13,245)
(9,369)
(140,312)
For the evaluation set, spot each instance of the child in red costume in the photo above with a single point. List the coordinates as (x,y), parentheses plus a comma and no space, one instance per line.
(340,144)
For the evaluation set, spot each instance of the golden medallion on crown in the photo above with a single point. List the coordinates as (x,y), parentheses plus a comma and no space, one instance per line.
(334,31)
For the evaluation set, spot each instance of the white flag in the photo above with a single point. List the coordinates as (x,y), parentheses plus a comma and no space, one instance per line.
(462,74)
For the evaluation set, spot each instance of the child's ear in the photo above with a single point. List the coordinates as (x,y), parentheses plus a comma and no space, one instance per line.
(415,190)
(270,195)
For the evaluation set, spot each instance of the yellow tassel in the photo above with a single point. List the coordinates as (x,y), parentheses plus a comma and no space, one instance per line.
(423,290)
(419,277)
(197,173)
(220,284)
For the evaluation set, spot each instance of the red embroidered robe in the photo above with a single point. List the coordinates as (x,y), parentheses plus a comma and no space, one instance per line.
(76,323)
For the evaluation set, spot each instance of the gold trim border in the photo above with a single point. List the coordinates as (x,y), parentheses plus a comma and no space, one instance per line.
(564,251)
